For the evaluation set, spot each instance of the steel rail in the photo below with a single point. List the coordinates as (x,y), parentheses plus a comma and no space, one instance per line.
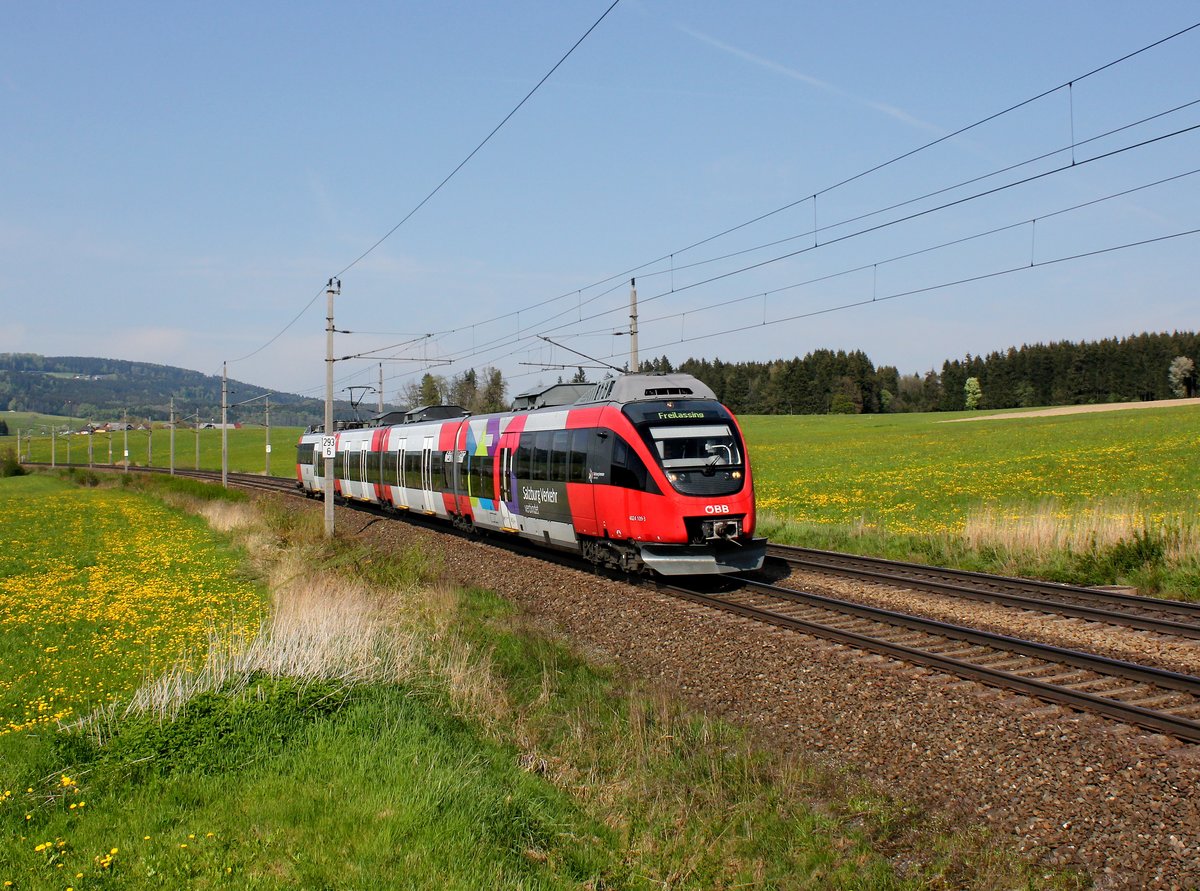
(1103,667)
(1158,721)
(969,585)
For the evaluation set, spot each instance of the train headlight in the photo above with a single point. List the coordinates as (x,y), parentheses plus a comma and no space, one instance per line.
(737,474)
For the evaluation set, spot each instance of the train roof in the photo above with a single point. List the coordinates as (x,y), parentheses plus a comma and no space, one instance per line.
(555,394)
(650,387)
(434,413)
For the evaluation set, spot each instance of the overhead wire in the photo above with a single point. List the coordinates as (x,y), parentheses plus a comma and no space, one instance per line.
(908,218)
(937,287)
(622,276)
(508,340)
(444,181)
(724,304)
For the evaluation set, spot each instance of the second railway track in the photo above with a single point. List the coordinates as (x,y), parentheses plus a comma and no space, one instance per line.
(1156,699)
(1171,617)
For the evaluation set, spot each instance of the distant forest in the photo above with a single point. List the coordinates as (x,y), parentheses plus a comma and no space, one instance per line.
(101,389)
(1138,368)
(1129,369)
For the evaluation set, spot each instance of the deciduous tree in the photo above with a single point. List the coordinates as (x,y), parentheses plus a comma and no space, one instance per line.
(1182,377)
(972,393)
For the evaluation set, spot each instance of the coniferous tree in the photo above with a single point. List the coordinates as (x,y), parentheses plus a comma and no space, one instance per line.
(492,398)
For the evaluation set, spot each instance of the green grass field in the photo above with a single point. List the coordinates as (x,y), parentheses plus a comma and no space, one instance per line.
(1097,498)
(247,448)
(919,474)
(377,730)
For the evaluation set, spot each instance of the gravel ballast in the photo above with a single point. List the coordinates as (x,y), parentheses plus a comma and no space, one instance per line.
(1071,789)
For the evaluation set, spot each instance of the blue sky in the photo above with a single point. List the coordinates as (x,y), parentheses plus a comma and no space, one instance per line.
(178,181)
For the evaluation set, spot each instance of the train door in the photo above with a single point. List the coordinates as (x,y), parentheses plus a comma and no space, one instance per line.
(401,499)
(504,481)
(428,499)
(605,496)
(364,486)
(583,493)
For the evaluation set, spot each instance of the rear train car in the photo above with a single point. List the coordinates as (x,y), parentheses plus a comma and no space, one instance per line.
(647,472)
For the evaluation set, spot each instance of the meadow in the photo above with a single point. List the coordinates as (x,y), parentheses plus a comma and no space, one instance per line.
(99,587)
(1097,498)
(193,448)
(375,729)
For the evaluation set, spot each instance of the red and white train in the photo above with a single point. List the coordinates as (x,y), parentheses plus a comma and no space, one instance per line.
(648,471)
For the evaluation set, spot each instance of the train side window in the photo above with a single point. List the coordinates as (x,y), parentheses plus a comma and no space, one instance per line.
(484,473)
(560,456)
(412,470)
(541,455)
(628,470)
(577,460)
(439,472)
(524,461)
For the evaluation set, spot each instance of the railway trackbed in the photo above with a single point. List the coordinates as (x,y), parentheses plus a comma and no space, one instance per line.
(1158,700)
(1172,617)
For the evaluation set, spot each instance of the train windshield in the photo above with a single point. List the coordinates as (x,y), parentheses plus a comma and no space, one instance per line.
(707,447)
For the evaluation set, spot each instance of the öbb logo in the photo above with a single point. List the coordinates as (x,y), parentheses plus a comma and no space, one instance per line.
(716,508)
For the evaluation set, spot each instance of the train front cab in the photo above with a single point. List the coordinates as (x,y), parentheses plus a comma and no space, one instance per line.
(679,483)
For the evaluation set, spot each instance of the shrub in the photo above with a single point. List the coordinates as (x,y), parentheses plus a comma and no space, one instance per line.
(9,465)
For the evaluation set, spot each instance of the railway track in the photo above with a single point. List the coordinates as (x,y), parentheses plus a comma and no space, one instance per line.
(1172,617)
(1158,700)
(245,480)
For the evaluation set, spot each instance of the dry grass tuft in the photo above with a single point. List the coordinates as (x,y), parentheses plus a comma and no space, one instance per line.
(227,516)
(1050,528)
(322,627)
(326,625)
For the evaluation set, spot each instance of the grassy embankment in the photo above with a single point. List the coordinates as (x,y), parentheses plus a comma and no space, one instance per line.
(1103,498)
(376,729)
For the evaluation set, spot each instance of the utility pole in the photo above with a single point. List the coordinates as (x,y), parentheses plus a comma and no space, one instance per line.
(268,471)
(328,447)
(633,332)
(149,442)
(196,430)
(381,388)
(172,436)
(224,424)
(53,447)
(125,433)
